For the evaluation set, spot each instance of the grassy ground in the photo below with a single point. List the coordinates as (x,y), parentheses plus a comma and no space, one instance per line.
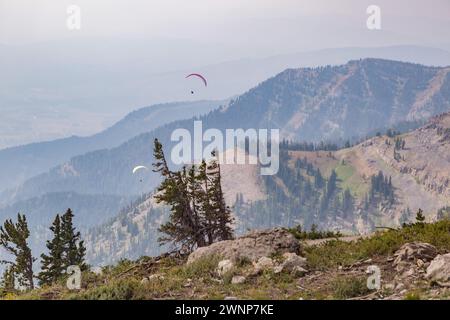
(332,273)
(350,179)
(381,244)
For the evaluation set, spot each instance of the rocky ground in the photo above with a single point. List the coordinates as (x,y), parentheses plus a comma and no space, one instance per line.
(408,263)
(413,270)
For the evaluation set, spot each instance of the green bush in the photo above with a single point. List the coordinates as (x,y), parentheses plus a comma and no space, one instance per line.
(351,287)
(313,234)
(200,268)
(412,296)
(117,290)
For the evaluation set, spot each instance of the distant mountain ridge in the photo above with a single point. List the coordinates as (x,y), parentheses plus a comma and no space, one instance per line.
(40,211)
(305,104)
(23,162)
(82,85)
(340,102)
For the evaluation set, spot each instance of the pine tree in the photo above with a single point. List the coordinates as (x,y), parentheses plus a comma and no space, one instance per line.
(323,206)
(443,213)
(331,185)
(52,264)
(74,250)
(366,202)
(13,238)
(347,204)
(8,282)
(404,218)
(198,213)
(173,191)
(197,203)
(206,207)
(381,187)
(220,212)
(318,179)
(420,217)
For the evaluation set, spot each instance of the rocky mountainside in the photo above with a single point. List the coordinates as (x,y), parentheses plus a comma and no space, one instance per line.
(380,182)
(345,101)
(418,171)
(338,102)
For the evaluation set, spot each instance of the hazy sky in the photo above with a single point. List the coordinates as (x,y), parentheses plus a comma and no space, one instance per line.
(131,53)
(291,24)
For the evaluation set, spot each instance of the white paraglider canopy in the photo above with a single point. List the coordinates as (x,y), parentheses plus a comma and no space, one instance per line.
(137,168)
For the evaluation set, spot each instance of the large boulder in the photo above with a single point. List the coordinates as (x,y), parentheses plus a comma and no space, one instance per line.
(250,247)
(439,270)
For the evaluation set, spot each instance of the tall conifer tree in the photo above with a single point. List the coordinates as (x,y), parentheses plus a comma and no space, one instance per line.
(199,215)
(8,281)
(14,239)
(220,212)
(52,264)
(74,249)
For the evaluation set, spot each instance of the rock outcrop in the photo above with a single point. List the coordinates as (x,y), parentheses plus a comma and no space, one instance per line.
(410,263)
(292,263)
(413,254)
(439,270)
(251,247)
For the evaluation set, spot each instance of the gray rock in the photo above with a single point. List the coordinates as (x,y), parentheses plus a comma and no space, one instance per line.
(224,266)
(251,247)
(389,286)
(420,263)
(291,261)
(400,286)
(152,277)
(238,280)
(293,264)
(278,269)
(156,276)
(410,253)
(188,283)
(439,270)
(262,264)
(298,271)
(409,273)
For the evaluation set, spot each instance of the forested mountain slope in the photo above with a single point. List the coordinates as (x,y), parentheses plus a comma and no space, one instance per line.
(305,104)
(381,182)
